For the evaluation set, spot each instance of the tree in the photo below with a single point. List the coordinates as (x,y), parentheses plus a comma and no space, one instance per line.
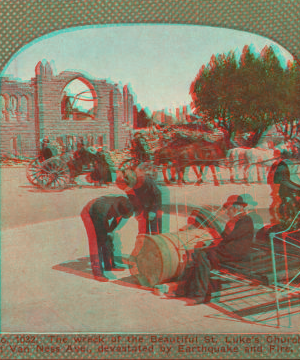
(248,95)
(212,90)
(260,91)
(290,125)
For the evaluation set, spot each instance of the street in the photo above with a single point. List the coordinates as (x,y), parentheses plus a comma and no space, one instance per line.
(47,284)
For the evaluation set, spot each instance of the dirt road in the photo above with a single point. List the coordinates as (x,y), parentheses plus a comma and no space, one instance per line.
(23,203)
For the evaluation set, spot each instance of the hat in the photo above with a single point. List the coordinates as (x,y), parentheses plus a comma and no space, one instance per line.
(234,200)
(134,178)
(94,149)
(45,140)
(130,177)
(248,199)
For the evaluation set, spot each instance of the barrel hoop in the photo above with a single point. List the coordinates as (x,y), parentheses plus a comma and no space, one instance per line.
(168,250)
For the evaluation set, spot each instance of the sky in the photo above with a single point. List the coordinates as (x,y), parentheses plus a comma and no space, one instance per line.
(82,97)
(159,62)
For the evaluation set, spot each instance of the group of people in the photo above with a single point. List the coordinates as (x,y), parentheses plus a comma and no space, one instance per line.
(97,157)
(143,200)
(100,160)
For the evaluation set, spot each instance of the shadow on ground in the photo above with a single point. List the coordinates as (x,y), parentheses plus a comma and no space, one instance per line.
(235,298)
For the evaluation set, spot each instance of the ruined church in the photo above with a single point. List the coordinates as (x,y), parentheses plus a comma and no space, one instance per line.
(38,108)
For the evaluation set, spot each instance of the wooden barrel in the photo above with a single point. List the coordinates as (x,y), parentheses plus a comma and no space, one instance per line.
(163,257)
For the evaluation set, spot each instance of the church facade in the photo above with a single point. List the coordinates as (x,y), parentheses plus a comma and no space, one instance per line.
(35,109)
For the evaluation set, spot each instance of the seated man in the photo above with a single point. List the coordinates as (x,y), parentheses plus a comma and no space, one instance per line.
(234,246)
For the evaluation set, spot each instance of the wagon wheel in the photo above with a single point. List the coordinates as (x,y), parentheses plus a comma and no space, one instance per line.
(34,171)
(146,167)
(55,174)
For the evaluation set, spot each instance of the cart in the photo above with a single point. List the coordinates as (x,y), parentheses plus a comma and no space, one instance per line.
(51,174)
(55,173)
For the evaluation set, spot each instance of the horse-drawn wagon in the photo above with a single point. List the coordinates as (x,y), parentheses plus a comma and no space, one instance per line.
(57,172)
(179,150)
(140,156)
(51,174)
(175,152)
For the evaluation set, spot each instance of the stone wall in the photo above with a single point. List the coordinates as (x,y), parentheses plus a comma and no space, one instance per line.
(32,110)
(17,118)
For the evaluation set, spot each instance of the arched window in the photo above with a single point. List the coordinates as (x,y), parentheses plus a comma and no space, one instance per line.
(2,107)
(78,101)
(23,108)
(15,145)
(13,107)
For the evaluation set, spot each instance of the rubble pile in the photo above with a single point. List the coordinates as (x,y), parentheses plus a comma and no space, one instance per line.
(119,156)
(155,139)
(170,136)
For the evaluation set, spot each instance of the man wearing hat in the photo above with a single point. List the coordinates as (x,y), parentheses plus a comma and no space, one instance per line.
(235,245)
(46,152)
(146,199)
(237,235)
(80,158)
(288,191)
(106,213)
(140,147)
(103,165)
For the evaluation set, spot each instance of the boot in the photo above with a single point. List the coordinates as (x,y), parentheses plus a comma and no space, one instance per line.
(113,264)
(97,268)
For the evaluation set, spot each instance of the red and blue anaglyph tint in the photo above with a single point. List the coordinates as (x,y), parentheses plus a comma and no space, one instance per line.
(199,203)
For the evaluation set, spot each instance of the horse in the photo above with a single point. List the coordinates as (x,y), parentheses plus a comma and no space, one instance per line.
(168,155)
(196,153)
(203,153)
(245,159)
(165,157)
(237,162)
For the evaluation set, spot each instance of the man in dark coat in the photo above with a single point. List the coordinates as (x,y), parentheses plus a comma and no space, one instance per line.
(288,192)
(140,147)
(234,246)
(147,201)
(106,213)
(46,152)
(237,235)
(81,157)
(103,165)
